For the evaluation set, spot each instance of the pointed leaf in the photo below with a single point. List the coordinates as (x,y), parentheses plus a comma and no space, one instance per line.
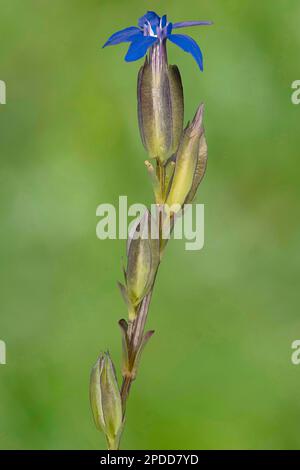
(123,291)
(125,346)
(144,341)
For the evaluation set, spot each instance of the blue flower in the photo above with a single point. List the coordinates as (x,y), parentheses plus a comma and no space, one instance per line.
(153,29)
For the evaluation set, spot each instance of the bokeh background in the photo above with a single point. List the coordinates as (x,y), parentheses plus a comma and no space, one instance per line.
(217,374)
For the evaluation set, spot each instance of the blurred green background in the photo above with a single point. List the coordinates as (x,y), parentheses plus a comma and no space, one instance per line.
(218,371)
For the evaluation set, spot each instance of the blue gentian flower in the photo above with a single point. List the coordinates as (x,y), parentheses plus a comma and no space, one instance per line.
(153,29)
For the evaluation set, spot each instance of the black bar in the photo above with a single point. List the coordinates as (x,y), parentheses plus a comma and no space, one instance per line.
(133,459)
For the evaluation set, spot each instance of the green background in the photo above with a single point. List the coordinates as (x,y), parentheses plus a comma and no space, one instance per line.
(218,371)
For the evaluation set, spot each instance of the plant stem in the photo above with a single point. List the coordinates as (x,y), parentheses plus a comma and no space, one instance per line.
(127,381)
(136,336)
(113,444)
(136,329)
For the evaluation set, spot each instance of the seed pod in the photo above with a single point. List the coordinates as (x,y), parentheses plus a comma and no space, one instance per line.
(143,259)
(105,399)
(190,164)
(160,109)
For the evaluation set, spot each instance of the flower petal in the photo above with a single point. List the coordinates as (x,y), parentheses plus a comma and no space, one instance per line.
(164,21)
(139,47)
(150,16)
(188,45)
(169,29)
(186,24)
(125,35)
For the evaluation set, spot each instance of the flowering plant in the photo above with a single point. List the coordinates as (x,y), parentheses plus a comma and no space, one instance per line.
(176,165)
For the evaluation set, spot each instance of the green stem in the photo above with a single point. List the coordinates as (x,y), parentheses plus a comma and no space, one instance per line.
(113,444)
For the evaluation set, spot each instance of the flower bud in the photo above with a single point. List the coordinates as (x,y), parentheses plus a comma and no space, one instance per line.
(190,164)
(106,399)
(160,108)
(143,259)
